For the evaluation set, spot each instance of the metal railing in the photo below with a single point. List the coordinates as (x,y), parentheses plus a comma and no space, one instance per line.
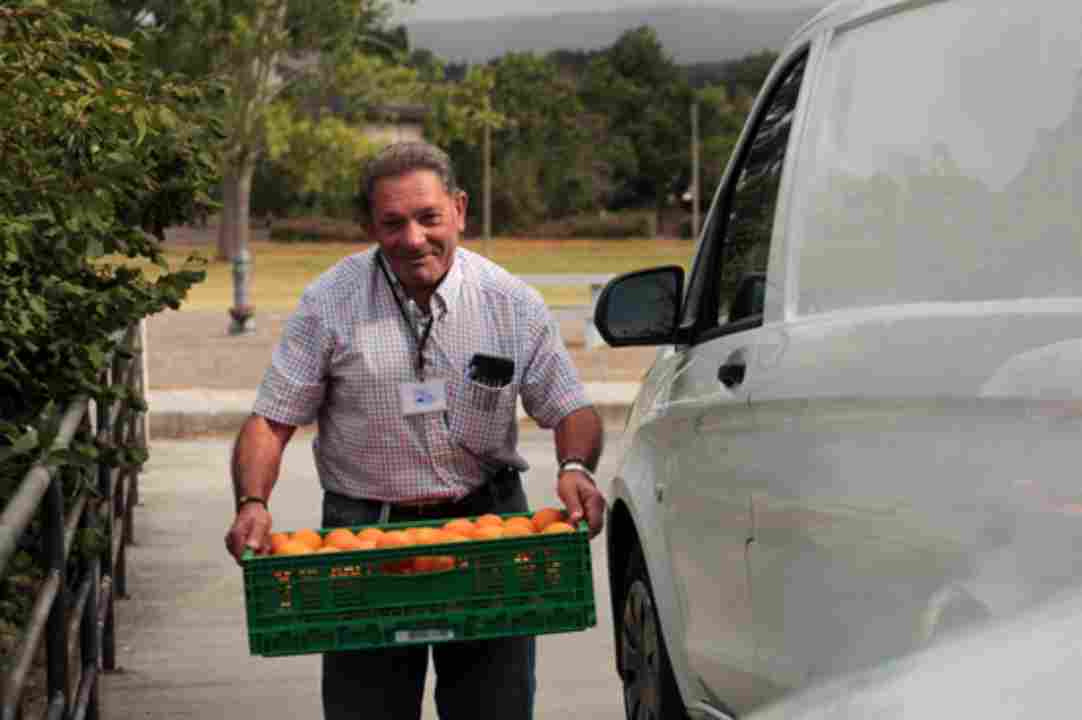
(73,608)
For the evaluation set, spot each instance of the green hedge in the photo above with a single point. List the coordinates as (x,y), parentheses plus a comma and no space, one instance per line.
(605,225)
(317,229)
(99,155)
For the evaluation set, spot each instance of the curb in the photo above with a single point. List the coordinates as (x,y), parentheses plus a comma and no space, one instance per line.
(180,414)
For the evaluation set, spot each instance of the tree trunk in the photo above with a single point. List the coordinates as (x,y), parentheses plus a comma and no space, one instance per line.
(243,199)
(234,231)
(227,233)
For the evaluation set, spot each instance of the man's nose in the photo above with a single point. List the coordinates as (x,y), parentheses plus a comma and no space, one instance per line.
(414,234)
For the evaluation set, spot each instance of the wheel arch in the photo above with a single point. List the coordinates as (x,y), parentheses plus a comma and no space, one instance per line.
(620,540)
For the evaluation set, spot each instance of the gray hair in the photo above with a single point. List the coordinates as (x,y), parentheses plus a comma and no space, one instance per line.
(400,158)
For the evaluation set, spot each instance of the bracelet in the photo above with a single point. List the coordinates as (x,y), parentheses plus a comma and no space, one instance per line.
(576,465)
(245,499)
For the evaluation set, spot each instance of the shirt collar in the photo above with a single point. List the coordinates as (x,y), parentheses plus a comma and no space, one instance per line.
(444,295)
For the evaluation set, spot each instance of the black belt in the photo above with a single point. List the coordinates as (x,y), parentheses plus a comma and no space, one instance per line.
(498,486)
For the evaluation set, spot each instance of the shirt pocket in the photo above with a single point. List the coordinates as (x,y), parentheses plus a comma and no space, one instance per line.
(482,416)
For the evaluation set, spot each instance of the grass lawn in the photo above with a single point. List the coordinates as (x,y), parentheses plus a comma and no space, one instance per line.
(280,271)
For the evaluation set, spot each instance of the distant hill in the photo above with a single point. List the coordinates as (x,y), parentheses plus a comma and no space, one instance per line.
(689,34)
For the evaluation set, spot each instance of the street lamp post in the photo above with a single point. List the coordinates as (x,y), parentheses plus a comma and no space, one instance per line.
(695,182)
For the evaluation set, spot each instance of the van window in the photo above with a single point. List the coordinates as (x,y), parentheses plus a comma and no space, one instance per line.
(743,241)
(928,175)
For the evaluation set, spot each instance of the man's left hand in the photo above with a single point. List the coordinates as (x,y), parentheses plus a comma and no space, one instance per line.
(582,499)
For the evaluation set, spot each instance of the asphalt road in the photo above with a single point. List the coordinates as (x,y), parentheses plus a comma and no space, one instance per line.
(182,643)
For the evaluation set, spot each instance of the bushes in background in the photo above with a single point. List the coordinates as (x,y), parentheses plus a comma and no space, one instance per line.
(613,225)
(316,229)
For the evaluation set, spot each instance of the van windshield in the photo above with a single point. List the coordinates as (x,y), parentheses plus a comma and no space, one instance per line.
(943,159)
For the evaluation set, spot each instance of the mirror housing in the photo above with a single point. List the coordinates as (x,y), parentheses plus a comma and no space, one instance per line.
(641,307)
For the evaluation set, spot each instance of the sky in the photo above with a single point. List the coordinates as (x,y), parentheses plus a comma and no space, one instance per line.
(464,9)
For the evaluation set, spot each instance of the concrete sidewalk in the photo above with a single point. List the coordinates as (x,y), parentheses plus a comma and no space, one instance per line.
(195,412)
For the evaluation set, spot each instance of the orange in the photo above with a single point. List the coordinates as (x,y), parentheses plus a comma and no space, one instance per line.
(543,517)
(519,522)
(444,562)
(295,547)
(309,537)
(424,563)
(373,534)
(557,527)
(435,537)
(424,535)
(393,539)
(459,526)
(451,537)
(340,538)
(355,543)
(328,549)
(489,520)
(518,530)
(277,540)
(488,532)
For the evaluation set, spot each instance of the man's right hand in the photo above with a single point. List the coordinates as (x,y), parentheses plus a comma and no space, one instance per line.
(250,530)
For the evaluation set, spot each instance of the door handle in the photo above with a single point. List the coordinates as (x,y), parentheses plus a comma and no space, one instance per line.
(731,373)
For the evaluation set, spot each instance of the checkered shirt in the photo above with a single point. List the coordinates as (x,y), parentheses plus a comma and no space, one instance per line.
(347,349)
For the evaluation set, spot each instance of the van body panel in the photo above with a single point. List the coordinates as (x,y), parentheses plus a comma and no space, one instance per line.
(899,457)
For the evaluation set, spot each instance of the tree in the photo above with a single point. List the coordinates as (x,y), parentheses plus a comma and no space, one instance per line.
(647,102)
(460,113)
(545,154)
(315,135)
(257,49)
(721,121)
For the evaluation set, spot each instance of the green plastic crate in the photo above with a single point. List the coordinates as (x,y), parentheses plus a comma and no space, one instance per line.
(531,585)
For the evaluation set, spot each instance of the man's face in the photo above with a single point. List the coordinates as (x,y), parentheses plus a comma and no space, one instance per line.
(417,223)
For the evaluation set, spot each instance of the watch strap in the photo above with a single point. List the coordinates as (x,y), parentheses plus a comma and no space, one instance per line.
(574,464)
(245,499)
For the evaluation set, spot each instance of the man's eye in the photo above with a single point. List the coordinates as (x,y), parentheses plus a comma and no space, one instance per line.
(430,219)
(393,224)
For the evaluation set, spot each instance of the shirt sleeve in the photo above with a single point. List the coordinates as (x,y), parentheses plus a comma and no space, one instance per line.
(551,389)
(294,385)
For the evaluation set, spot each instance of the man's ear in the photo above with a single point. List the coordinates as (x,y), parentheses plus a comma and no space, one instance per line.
(462,202)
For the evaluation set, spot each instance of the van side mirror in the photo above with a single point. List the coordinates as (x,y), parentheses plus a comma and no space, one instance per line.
(641,307)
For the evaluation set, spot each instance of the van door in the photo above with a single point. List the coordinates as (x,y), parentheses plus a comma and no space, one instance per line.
(708,495)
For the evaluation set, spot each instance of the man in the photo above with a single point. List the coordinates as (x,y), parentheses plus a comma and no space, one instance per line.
(412,357)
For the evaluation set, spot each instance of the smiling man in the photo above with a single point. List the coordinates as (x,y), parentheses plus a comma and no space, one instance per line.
(412,357)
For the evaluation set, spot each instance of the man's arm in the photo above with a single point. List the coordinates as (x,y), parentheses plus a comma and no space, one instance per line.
(257,458)
(579,436)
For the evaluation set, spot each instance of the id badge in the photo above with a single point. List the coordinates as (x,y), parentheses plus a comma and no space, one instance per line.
(419,398)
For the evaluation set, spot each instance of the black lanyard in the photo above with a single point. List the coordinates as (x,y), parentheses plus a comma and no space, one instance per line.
(421,338)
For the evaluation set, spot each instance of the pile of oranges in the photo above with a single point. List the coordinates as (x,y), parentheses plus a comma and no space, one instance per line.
(485,527)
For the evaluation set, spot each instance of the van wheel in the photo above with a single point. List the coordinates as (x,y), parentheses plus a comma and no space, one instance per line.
(650,691)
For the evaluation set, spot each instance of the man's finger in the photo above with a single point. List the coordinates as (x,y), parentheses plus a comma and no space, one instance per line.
(595,512)
(569,495)
(257,532)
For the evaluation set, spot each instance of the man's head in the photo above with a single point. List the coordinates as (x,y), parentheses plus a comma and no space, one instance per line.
(415,212)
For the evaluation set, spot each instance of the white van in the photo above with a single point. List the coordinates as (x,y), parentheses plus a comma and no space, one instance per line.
(863,428)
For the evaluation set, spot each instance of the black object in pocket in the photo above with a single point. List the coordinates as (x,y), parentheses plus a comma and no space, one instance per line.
(490,370)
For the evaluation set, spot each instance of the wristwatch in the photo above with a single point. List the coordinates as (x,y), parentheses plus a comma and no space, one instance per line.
(578,466)
(245,499)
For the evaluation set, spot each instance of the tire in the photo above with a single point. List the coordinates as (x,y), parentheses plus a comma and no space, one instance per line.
(650,691)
